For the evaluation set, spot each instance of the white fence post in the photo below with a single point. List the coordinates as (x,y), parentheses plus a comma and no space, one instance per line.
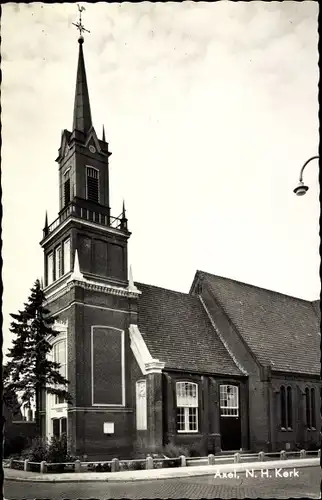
(43,467)
(236,458)
(283,455)
(149,462)
(211,459)
(261,456)
(183,462)
(77,465)
(302,454)
(25,465)
(115,465)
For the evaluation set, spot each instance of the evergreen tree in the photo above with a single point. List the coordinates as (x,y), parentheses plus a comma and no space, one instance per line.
(29,372)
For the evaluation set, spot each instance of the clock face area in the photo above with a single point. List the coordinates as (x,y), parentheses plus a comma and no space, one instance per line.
(92,149)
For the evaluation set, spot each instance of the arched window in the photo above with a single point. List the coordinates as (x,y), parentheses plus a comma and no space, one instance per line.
(283,407)
(229,401)
(59,356)
(289,408)
(286,407)
(187,406)
(308,408)
(313,419)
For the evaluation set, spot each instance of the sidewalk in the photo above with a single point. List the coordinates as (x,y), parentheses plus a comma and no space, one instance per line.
(153,474)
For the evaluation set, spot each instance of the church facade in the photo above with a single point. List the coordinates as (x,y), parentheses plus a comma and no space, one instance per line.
(227,366)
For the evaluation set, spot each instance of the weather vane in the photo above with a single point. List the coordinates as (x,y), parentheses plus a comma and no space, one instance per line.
(79,25)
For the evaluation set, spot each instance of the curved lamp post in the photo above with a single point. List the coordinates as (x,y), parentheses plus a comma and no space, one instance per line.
(301,189)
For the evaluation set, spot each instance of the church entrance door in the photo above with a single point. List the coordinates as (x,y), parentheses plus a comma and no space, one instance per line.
(230,428)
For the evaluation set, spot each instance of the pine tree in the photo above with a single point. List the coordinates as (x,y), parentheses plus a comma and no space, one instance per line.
(29,372)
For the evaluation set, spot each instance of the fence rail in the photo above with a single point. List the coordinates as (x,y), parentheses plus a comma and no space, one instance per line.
(150,462)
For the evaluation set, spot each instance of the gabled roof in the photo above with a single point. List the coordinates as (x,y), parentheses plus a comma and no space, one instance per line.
(280,330)
(177,331)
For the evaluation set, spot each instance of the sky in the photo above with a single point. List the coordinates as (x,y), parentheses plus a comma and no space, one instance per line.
(210,110)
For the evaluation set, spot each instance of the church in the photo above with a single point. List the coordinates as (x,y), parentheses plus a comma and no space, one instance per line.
(227,366)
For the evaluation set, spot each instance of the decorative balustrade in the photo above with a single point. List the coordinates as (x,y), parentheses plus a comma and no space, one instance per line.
(81,212)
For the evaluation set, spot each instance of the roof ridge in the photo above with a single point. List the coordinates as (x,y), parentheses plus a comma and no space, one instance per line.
(205,273)
(138,284)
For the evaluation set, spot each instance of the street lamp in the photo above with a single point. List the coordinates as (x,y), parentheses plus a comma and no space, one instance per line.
(301,189)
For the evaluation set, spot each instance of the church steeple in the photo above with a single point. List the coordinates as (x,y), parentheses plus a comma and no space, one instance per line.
(82,109)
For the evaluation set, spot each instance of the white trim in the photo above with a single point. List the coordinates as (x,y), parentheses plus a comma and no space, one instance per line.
(94,225)
(141,406)
(102,410)
(239,366)
(122,365)
(77,275)
(74,280)
(94,136)
(142,354)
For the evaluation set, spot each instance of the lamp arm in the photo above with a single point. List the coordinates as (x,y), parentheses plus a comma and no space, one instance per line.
(308,161)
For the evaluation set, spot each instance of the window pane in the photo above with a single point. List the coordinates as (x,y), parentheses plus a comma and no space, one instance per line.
(187,394)
(66,256)
(50,269)
(56,429)
(63,422)
(57,262)
(180,419)
(193,419)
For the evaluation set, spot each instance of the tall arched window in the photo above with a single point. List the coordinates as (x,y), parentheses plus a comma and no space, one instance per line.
(289,420)
(59,356)
(310,408)
(313,420)
(187,406)
(283,407)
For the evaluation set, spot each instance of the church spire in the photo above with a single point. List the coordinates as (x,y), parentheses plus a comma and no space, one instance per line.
(82,110)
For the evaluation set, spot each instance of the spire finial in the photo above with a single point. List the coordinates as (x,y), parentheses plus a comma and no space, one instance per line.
(79,24)
(103,134)
(131,287)
(123,210)
(76,275)
(46,220)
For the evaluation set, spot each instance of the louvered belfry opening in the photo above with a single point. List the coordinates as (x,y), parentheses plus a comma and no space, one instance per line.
(66,192)
(92,184)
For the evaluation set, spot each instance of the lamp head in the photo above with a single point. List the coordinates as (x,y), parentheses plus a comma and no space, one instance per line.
(301,189)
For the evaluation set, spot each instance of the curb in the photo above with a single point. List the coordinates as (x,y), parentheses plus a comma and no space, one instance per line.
(159,474)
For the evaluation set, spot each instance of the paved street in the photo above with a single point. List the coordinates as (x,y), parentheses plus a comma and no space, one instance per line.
(306,485)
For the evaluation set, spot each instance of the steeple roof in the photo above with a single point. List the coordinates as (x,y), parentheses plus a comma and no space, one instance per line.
(82,110)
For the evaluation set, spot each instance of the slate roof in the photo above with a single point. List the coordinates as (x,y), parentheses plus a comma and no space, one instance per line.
(280,330)
(177,330)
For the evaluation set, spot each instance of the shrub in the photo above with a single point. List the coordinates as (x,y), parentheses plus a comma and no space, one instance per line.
(57,450)
(38,450)
(173,451)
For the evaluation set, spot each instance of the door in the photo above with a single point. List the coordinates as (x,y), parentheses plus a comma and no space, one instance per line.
(230,428)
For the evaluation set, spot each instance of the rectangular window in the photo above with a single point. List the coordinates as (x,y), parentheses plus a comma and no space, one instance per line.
(58,270)
(50,268)
(66,256)
(187,406)
(56,427)
(141,406)
(59,356)
(92,184)
(229,401)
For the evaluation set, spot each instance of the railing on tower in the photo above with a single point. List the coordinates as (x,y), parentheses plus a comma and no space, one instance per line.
(75,210)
